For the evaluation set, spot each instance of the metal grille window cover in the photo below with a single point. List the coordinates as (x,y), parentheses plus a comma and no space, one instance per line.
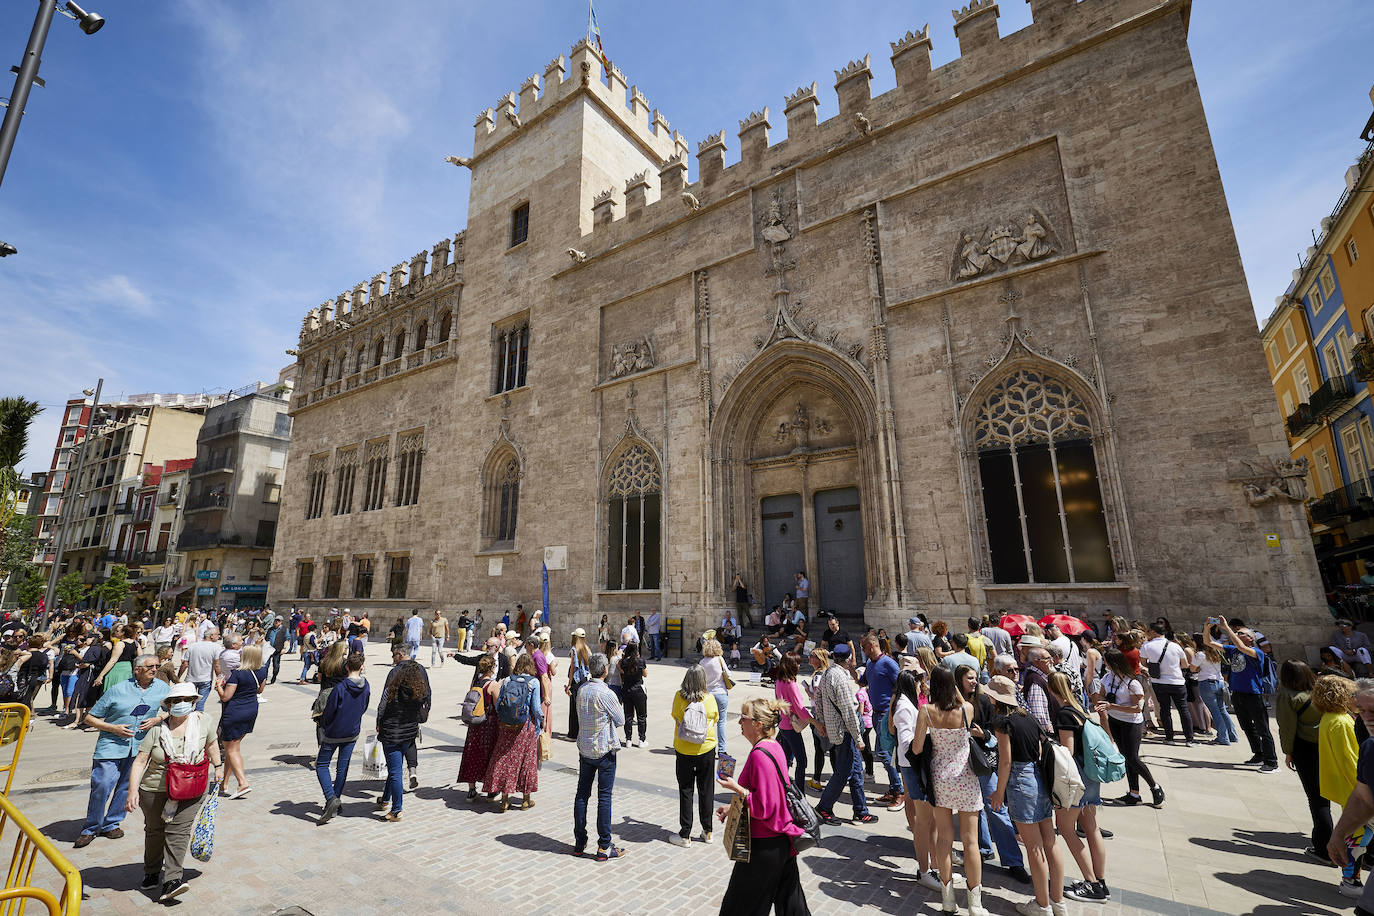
(635,474)
(1030,407)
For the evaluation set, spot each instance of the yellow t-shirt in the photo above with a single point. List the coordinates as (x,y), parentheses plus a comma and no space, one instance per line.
(978,648)
(712,716)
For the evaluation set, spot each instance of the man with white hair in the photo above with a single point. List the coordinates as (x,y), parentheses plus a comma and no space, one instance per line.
(916,635)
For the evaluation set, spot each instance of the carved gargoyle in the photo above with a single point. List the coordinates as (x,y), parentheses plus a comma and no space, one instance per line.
(1282,477)
(690,200)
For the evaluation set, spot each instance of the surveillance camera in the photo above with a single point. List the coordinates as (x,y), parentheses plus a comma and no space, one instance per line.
(6,249)
(90,22)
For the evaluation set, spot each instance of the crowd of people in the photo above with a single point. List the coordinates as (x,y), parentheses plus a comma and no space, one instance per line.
(962,729)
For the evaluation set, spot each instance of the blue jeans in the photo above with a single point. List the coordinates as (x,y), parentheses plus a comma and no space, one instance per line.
(334,788)
(655,647)
(603,771)
(307,660)
(794,748)
(1214,698)
(996,826)
(849,768)
(722,698)
(887,743)
(204,691)
(393,791)
(414,647)
(275,664)
(109,792)
(68,685)
(291,640)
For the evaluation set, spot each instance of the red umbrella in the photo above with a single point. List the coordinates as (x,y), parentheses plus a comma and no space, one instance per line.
(1067,623)
(1015,624)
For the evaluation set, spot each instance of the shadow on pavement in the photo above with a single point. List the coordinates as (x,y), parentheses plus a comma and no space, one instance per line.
(635,831)
(535,842)
(1263,844)
(1290,893)
(296,760)
(64,831)
(126,877)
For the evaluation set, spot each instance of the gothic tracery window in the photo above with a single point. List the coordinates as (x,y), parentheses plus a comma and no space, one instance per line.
(634,521)
(1038,470)
(502,500)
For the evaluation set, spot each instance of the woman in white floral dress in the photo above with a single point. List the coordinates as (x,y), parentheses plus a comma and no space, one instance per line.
(945,718)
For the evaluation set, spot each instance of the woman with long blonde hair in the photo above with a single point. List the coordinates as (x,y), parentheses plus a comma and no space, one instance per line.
(1092,860)
(238,694)
(714,666)
(579,672)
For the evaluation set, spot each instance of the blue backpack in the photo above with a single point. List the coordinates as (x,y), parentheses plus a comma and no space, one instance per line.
(513,703)
(1102,762)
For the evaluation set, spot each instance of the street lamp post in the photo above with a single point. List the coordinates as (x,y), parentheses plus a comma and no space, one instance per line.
(60,542)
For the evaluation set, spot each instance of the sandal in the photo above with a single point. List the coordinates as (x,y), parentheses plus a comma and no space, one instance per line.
(527,804)
(615,852)
(243,791)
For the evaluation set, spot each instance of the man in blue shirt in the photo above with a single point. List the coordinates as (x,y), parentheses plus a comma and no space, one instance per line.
(600,716)
(105,621)
(415,626)
(122,715)
(1249,666)
(880,676)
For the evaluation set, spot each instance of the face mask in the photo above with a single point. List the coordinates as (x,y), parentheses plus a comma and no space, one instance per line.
(183,709)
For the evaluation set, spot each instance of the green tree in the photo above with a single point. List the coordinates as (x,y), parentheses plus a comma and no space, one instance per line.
(114,589)
(31,587)
(70,589)
(16,552)
(15,416)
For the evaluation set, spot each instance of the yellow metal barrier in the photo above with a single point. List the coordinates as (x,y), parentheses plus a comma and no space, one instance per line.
(20,888)
(14,728)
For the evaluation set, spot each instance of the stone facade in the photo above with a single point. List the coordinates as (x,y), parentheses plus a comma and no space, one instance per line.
(836,327)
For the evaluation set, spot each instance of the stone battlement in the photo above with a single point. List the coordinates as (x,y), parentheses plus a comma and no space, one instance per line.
(985,56)
(439,266)
(582,71)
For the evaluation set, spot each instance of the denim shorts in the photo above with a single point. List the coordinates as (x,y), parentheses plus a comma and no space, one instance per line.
(1092,793)
(912,786)
(1027,800)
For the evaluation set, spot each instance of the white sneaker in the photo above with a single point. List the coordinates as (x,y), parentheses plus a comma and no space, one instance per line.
(930,881)
(635,742)
(1029,907)
(678,839)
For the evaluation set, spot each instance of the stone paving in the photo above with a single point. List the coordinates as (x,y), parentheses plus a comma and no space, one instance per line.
(1228,839)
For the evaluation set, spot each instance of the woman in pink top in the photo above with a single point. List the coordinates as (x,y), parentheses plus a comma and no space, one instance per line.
(769,880)
(791,726)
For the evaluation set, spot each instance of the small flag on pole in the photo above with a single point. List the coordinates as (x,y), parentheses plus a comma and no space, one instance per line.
(594,33)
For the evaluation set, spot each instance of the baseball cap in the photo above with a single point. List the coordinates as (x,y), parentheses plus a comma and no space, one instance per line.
(840,651)
(580,632)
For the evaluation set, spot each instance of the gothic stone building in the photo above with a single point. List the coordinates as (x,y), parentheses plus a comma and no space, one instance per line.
(972,343)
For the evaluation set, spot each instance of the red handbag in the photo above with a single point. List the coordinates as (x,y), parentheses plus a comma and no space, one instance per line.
(186,781)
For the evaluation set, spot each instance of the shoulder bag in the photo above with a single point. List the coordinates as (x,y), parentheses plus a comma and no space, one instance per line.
(803,815)
(981,759)
(186,780)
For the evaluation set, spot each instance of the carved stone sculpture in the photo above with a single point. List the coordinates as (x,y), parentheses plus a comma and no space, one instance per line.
(690,200)
(800,427)
(1000,245)
(1284,477)
(577,256)
(460,161)
(632,356)
(861,123)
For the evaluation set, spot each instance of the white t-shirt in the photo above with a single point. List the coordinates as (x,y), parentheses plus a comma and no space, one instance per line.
(200,661)
(629,635)
(1207,671)
(715,674)
(1122,692)
(1072,657)
(1169,656)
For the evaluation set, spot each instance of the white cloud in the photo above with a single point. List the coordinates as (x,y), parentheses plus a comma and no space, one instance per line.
(121,292)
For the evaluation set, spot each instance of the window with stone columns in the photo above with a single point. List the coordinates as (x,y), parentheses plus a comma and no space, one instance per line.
(374,475)
(410,455)
(346,471)
(398,348)
(512,352)
(316,480)
(324,372)
(1041,496)
(398,576)
(378,351)
(361,362)
(422,335)
(500,500)
(633,494)
(446,326)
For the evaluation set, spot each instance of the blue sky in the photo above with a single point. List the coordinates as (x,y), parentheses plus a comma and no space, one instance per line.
(197,175)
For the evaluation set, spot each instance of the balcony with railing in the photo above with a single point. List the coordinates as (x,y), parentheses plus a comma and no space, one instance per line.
(1327,401)
(213,500)
(1350,502)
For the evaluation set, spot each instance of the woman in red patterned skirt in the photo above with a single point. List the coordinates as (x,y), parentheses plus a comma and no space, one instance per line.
(514,765)
(482,736)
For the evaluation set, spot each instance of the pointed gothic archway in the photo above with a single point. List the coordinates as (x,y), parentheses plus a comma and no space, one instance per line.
(797,430)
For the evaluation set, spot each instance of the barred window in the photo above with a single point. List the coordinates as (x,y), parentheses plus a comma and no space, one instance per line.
(1038,471)
(398,577)
(333,578)
(410,454)
(634,525)
(347,472)
(305,576)
(519,224)
(374,473)
(501,505)
(316,479)
(362,577)
(512,356)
